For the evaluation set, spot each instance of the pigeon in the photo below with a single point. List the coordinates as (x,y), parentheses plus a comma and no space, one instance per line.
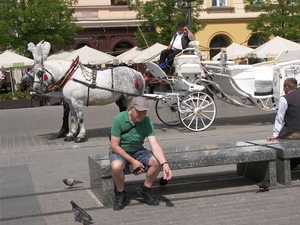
(71,182)
(264,186)
(80,214)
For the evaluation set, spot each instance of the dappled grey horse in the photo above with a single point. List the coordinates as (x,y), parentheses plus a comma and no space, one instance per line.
(27,81)
(81,86)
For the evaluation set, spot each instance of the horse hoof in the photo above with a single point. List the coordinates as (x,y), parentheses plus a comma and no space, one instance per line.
(62,133)
(78,139)
(69,138)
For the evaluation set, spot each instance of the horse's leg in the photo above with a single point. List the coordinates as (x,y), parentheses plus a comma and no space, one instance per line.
(65,125)
(122,103)
(78,107)
(72,133)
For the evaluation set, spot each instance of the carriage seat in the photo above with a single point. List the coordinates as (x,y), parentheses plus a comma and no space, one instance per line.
(243,76)
(263,80)
(187,65)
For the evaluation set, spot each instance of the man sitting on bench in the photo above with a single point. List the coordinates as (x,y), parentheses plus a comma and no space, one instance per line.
(179,42)
(287,123)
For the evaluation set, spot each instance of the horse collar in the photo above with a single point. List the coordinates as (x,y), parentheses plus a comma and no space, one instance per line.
(62,81)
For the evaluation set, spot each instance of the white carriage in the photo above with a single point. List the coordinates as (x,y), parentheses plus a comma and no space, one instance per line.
(194,83)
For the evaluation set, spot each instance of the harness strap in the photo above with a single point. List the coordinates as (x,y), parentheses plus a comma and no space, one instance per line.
(62,81)
(112,78)
(93,85)
(88,96)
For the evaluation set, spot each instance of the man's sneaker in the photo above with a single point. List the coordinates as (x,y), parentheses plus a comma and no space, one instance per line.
(148,196)
(120,200)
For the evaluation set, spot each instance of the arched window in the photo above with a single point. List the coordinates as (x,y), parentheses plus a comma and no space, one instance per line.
(256,40)
(253,42)
(122,47)
(216,44)
(81,45)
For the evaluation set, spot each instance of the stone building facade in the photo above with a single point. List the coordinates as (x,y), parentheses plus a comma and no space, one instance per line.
(109,25)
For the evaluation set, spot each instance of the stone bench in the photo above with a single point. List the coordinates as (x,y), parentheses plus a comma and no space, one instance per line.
(286,150)
(253,162)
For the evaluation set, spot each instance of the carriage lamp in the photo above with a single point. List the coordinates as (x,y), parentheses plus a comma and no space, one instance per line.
(223,56)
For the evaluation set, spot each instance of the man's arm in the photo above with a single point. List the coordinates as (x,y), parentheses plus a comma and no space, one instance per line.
(191,35)
(279,119)
(160,156)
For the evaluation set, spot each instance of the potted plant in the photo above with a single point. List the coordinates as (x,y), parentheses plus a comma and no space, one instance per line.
(18,100)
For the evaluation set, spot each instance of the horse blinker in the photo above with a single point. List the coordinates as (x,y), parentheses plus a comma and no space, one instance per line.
(39,74)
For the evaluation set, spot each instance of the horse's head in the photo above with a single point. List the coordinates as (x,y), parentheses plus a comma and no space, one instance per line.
(42,78)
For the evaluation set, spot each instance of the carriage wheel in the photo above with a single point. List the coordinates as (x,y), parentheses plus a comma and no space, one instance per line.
(167,110)
(197,111)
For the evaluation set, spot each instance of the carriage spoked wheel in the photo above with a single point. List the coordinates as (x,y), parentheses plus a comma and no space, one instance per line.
(167,110)
(197,111)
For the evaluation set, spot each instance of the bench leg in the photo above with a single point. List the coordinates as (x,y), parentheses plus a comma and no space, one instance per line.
(106,191)
(283,170)
(259,171)
(103,188)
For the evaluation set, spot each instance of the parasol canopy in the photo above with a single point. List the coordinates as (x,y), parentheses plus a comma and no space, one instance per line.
(235,51)
(88,55)
(10,59)
(273,48)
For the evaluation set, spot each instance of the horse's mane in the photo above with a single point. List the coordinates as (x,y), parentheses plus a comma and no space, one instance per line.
(58,66)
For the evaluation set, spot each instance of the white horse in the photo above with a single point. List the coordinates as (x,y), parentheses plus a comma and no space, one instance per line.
(81,86)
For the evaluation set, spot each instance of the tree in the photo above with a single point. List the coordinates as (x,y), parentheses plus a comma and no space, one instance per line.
(277,18)
(25,21)
(159,20)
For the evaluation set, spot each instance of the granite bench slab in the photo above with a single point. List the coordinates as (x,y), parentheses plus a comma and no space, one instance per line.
(253,162)
(286,150)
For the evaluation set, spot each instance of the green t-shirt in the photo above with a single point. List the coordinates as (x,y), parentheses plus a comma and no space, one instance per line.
(134,139)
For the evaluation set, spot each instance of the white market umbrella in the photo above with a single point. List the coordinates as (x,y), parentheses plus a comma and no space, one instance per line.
(10,59)
(60,55)
(88,55)
(128,56)
(150,54)
(235,51)
(273,48)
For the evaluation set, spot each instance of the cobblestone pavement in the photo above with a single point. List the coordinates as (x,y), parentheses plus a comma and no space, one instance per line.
(33,163)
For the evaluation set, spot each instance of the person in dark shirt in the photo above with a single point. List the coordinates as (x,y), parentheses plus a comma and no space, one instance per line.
(287,121)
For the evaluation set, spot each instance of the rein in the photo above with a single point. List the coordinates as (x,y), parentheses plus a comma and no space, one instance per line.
(103,88)
(94,86)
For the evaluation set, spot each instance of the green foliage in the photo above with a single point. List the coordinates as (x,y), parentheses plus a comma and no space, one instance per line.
(280,18)
(25,21)
(159,20)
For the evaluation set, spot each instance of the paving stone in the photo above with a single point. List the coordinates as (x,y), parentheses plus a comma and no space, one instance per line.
(31,154)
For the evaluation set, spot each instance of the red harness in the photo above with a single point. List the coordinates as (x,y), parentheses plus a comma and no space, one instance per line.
(62,81)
